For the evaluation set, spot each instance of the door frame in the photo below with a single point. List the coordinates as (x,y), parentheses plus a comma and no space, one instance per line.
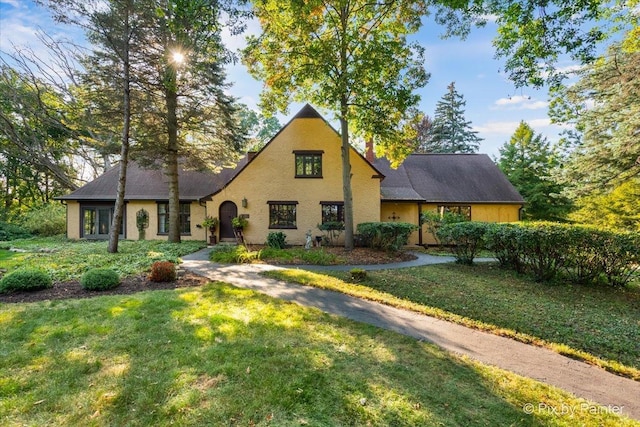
(226,227)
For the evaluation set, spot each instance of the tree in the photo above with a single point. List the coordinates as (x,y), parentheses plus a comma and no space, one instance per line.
(534,36)
(617,209)
(450,132)
(604,108)
(424,136)
(258,127)
(528,162)
(351,57)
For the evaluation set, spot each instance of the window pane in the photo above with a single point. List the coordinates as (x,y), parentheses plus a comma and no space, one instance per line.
(163,218)
(332,213)
(309,165)
(282,215)
(89,222)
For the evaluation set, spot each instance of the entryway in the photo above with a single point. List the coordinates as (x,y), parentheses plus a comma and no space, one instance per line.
(228,210)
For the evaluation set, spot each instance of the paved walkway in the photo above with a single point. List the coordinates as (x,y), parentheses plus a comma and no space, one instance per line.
(619,394)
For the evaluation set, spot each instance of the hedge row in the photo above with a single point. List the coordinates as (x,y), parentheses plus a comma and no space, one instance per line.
(547,250)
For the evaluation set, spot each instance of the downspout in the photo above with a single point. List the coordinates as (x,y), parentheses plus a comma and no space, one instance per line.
(419,223)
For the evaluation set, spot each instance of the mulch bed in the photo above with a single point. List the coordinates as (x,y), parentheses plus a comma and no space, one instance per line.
(128,285)
(134,284)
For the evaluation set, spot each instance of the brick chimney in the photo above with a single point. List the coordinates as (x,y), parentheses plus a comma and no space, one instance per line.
(369,151)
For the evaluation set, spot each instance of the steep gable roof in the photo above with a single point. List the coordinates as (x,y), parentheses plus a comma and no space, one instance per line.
(151,184)
(447,178)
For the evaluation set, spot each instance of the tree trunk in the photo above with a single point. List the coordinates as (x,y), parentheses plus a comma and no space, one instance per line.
(346,184)
(171,167)
(114,231)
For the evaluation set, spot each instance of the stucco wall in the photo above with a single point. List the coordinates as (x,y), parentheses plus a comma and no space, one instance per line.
(73,220)
(131,231)
(271,177)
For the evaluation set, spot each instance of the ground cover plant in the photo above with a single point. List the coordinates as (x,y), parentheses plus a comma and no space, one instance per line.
(219,355)
(596,324)
(68,259)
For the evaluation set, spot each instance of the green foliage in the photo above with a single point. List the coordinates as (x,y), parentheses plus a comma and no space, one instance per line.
(299,256)
(615,210)
(433,221)
(100,279)
(47,220)
(163,271)
(466,239)
(450,131)
(332,230)
(25,280)
(358,274)
(10,231)
(604,108)
(231,254)
(276,240)
(69,259)
(389,236)
(239,222)
(576,254)
(529,163)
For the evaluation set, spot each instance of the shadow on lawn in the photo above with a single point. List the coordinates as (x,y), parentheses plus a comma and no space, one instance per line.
(220,355)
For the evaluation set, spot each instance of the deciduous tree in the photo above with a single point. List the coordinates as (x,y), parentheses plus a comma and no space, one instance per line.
(349,56)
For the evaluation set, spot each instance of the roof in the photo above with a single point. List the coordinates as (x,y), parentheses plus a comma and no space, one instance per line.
(446,178)
(152,184)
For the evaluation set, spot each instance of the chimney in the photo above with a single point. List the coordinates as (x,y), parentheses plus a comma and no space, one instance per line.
(369,151)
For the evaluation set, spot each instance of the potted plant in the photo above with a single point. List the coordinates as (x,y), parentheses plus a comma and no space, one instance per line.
(211,222)
(239,223)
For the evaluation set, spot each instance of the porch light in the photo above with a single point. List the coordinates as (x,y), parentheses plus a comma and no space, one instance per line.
(244,202)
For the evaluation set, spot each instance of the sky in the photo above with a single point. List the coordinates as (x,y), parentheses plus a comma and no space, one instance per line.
(494,106)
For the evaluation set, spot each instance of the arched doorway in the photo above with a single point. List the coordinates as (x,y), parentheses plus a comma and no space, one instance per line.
(228,211)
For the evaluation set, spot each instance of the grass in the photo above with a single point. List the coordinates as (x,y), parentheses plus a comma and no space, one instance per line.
(68,259)
(9,259)
(595,324)
(218,355)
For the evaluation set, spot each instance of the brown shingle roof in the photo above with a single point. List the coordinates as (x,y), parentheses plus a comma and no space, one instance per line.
(447,178)
(152,184)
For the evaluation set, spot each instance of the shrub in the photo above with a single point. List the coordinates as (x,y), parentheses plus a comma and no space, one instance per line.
(163,271)
(25,280)
(390,236)
(333,229)
(466,237)
(276,240)
(48,220)
(12,232)
(234,254)
(502,240)
(358,274)
(99,279)
(433,221)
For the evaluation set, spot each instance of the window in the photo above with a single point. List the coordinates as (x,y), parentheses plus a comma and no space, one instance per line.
(163,218)
(308,164)
(332,212)
(282,214)
(96,221)
(464,211)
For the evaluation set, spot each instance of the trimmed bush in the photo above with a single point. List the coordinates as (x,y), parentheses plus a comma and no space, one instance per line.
(466,238)
(276,240)
(389,236)
(163,271)
(502,240)
(99,279)
(25,280)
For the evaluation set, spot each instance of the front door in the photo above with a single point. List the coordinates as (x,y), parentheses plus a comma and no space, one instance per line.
(228,211)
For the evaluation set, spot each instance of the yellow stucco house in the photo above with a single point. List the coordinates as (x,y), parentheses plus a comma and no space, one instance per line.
(295,183)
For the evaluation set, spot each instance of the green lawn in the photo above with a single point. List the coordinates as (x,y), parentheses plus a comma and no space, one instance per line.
(69,259)
(597,324)
(219,355)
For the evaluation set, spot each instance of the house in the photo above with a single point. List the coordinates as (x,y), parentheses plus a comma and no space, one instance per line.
(293,184)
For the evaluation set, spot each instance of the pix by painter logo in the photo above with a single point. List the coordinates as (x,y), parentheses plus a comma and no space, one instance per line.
(564,409)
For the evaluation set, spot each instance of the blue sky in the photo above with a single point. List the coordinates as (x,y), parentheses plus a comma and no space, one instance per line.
(494,105)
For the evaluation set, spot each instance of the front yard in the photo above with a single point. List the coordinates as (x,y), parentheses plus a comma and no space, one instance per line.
(217,355)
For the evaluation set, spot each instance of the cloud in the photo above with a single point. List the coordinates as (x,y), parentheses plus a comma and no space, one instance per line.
(519,102)
(12,3)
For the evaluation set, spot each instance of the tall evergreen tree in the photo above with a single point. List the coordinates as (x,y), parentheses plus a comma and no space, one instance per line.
(529,162)
(451,132)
